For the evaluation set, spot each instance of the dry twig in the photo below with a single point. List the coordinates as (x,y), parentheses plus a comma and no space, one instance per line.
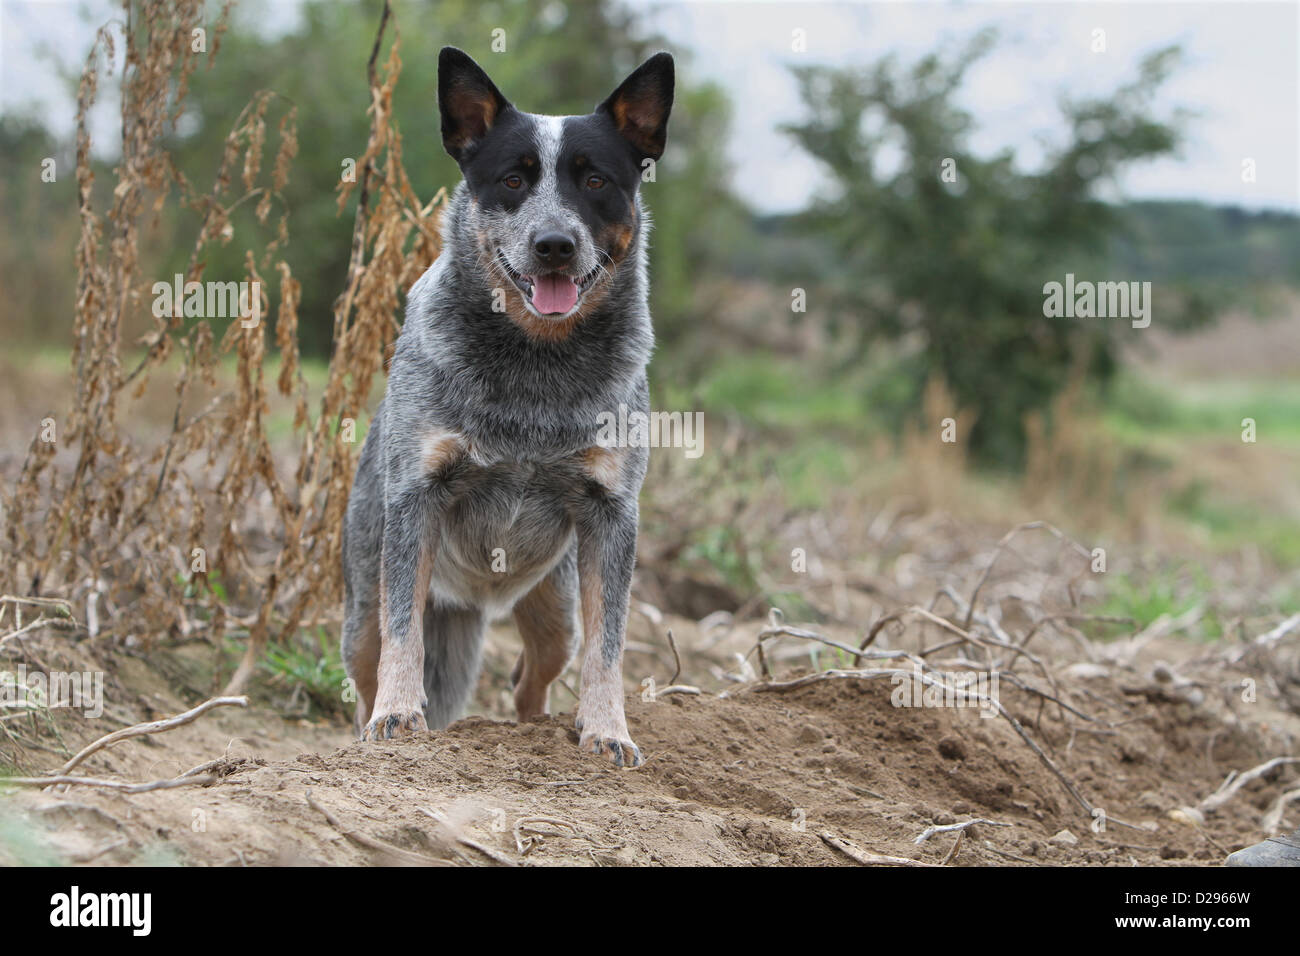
(1234,782)
(866,859)
(122,785)
(154,727)
(948,828)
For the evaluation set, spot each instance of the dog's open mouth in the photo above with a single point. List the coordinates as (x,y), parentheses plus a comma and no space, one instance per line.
(550,293)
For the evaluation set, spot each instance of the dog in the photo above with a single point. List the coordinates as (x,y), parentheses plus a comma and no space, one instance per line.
(482,487)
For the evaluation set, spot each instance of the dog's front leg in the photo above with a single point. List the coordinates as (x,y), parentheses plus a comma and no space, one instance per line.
(607,527)
(405,566)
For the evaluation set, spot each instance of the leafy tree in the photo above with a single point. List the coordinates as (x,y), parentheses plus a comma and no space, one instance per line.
(957,263)
(38,195)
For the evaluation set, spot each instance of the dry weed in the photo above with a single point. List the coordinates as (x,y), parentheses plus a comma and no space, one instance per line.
(146,526)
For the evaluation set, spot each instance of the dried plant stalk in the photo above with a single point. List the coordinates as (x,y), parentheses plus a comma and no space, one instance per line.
(139,514)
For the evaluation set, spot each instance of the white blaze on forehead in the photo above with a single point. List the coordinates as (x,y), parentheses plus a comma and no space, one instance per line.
(548,134)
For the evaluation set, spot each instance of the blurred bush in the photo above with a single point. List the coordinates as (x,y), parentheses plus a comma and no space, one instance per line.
(954,265)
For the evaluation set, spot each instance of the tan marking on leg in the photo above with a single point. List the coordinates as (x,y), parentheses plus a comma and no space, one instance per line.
(591,586)
(401,665)
(601,719)
(440,447)
(545,624)
(604,466)
(365,668)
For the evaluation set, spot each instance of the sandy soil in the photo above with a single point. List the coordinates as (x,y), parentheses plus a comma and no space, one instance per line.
(751,775)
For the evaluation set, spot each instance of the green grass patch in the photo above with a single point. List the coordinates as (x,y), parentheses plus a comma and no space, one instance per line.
(1233,524)
(309,667)
(1138,409)
(773,393)
(1167,593)
(315,665)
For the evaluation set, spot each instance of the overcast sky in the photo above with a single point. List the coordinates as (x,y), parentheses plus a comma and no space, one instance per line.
(1240,74)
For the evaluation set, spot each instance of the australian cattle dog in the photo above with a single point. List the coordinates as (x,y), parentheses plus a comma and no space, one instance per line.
(482,487)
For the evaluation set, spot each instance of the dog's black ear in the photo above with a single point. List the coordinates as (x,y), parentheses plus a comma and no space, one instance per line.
(641,104)
(469,102)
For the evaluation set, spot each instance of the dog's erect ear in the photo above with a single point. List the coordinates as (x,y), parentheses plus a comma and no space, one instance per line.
(469,102)
(641,104)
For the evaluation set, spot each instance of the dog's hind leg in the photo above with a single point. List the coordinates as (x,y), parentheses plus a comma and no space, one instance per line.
(548,623)
(363,530)
(361,654)
(453,645)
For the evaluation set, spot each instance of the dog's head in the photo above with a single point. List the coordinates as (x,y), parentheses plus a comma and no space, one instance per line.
(554,198)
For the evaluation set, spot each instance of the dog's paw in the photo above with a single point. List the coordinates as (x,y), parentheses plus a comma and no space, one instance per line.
(615,745)
(621,752)
(397,724)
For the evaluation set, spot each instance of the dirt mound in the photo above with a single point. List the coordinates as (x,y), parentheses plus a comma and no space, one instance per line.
(1110,744)
(760,777)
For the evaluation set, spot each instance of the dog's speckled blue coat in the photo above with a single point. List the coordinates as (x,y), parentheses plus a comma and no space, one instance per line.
(483,439)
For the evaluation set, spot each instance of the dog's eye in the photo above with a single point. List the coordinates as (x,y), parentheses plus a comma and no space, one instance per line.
(513,182)
(595,182)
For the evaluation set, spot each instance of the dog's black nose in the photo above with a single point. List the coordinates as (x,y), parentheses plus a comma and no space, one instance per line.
(553,249)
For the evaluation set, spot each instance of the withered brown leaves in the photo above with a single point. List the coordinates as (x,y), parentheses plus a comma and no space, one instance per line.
(145,522)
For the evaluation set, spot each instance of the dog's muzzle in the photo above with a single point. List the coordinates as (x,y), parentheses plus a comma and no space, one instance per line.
(550,293)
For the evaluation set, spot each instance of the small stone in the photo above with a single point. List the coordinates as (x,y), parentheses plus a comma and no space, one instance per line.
(1189,816)
(1065,838)
(951,748)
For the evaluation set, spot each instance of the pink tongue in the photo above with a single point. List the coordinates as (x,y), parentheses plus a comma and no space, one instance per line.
(554,293)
